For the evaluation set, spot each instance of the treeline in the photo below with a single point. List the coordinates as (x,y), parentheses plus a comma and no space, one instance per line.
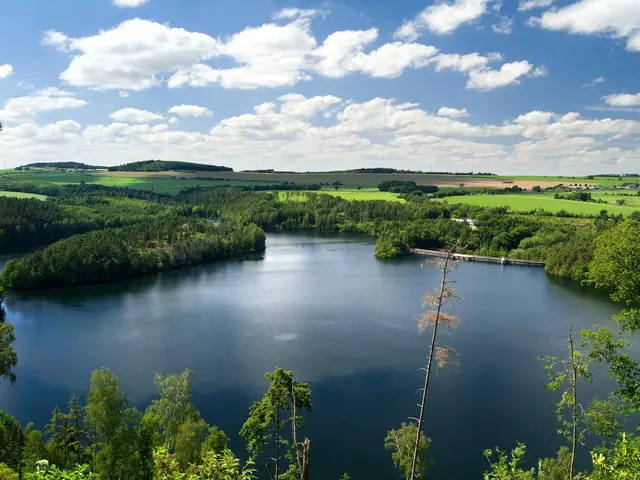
(397,186)
(479,191)
(74,165)
(575,196)
(166,165)
(140,249)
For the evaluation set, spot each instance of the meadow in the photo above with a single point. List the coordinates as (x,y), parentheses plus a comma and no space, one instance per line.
(528,201)
(22,195)
(348,194)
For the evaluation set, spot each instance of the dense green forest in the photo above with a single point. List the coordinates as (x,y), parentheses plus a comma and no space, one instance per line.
(166,165)
(140,249)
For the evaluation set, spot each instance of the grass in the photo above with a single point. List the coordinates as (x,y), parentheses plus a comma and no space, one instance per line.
(528,202)
(22,195)
(349,194)
(137,180)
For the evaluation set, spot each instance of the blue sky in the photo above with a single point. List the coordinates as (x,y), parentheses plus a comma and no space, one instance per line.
(520,86)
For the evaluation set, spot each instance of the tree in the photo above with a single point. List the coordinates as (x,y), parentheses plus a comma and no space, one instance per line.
(11,441)
(401,443)
(432,319)
(45,471)
(174,405)
(112,422)
(7,474)
(563,372)
(537,188)
(266,422)
(622,463)
(189,441)
(8,356)
(359,187)
(33,449)
(461,185)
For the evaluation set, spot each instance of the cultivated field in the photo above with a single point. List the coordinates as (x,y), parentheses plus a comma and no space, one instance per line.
(349,194)
(22,195)
(529,202)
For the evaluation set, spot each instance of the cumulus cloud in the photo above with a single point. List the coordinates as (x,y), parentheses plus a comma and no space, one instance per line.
(132,55)
(42,101)
(129,3)
(5,70)
(442,18)
(287,134)
(453,112)
(190,111)
(56,39)
(623,100)
(617,18)
(526,5)
(508,74)
(133,115)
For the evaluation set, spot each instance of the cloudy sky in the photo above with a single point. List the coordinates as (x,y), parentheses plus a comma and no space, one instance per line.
(513,86)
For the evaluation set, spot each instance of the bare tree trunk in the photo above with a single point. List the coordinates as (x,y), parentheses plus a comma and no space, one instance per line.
(574,391)
(429,364)
(306,454)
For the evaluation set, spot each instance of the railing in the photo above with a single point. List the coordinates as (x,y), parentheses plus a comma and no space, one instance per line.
(477,258)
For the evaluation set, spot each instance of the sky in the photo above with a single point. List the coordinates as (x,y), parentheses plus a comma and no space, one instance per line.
(511,87)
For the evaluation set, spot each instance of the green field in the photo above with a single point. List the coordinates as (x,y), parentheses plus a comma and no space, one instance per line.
(528,202)
(22,195)
(349,194)
(137,180)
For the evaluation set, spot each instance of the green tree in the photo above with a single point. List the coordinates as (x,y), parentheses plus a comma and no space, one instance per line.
(11,441)
(562,373)
(34,448)
(216,440)
(45,471)
(189,440)
(174,405)
(8,356)
(7,474)
(112,421)
(508,467)
(280,406)
(621,463)
(401,444)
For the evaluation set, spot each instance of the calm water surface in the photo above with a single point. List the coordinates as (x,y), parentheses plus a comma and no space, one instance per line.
(344,321)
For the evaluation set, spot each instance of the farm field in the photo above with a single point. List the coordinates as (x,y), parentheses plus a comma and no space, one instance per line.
(528,202)
(137,180)
(349,194)
(22,195)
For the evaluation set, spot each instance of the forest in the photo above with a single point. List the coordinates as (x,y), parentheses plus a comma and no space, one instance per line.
(106,234)
(168,165)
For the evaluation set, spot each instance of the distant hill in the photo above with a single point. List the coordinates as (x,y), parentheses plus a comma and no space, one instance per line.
(79,166)
(165,165)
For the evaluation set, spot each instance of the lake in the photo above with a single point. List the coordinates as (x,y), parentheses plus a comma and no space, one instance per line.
(325,307)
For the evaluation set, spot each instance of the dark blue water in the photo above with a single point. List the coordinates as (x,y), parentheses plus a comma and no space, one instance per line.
(344,321)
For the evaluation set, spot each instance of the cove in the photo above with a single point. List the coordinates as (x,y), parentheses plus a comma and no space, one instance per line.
(324,307)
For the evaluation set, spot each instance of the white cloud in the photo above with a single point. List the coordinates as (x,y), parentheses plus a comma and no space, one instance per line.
(509,73)
(289,133)
(173,121)
(190,111)
(595,82)
(623,100)
(297,105)
(269,56)
(442,18)
(5,70)
(56,39)
(133,115)
(464,63)
(617,18)
(129,3)
(505,26)
(123,94)
(131,55)
(526,5)
(343,52)
(42,101)
(293,13)
(453,112)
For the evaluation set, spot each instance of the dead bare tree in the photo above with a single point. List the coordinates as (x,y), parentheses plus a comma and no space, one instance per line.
(434,318)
